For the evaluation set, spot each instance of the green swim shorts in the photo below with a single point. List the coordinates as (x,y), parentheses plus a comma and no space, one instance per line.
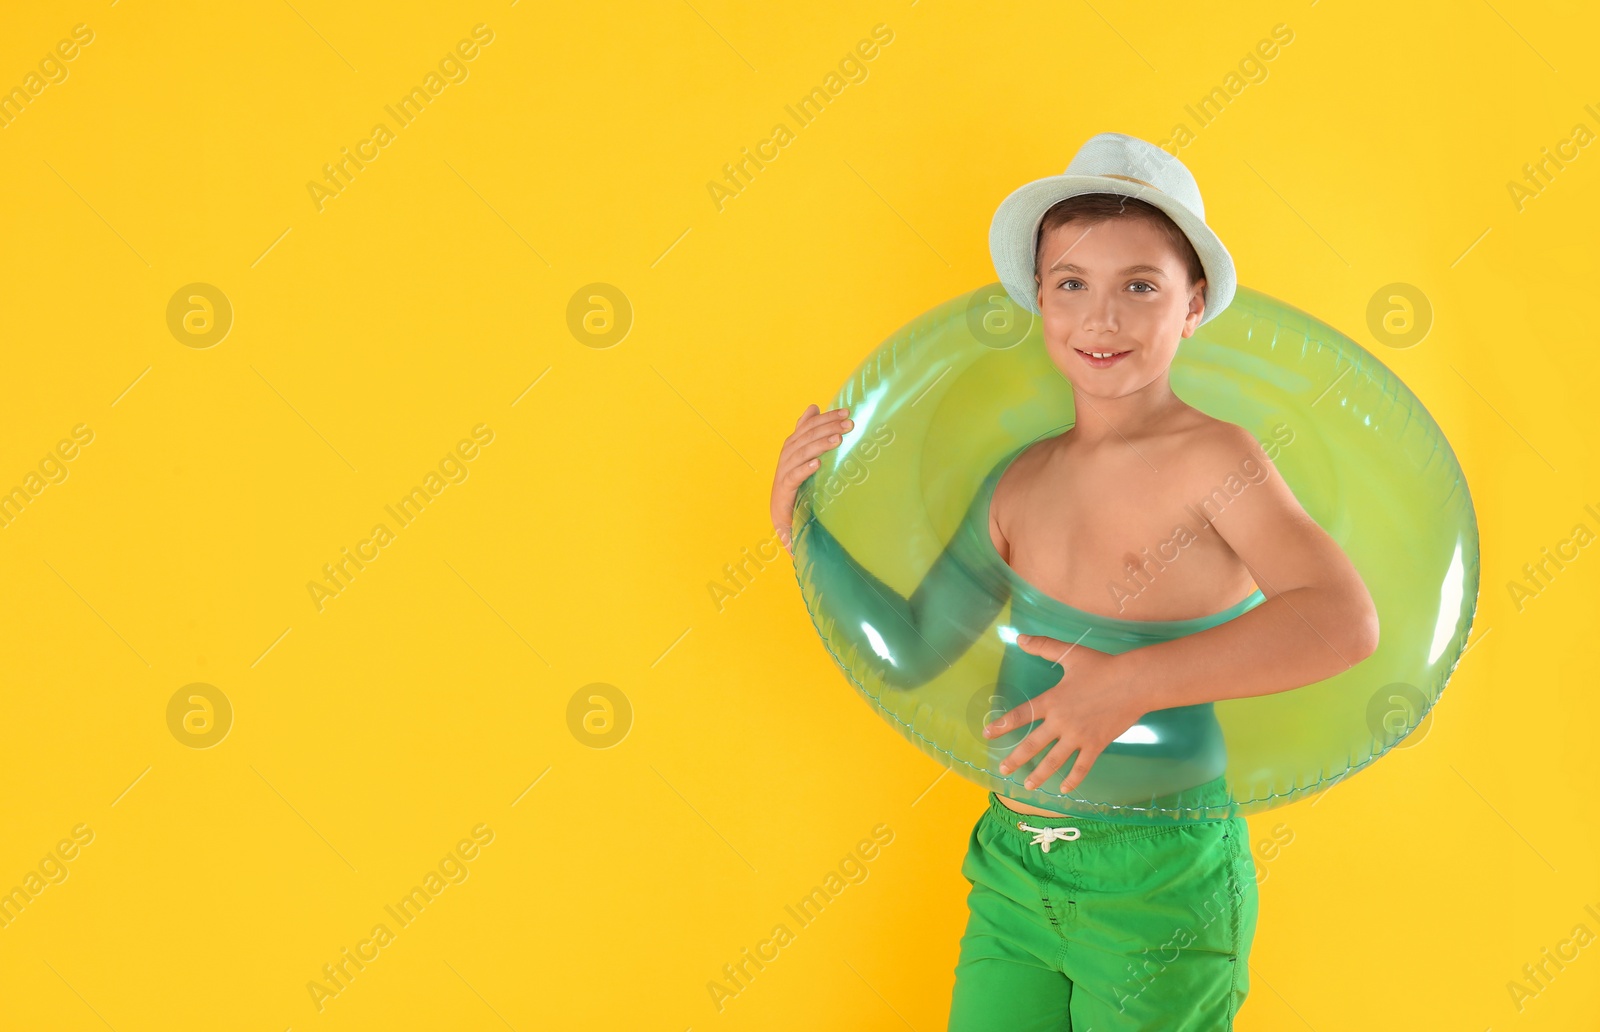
(1080,925)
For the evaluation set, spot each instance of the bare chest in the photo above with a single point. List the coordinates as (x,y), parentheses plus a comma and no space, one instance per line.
(1127,536)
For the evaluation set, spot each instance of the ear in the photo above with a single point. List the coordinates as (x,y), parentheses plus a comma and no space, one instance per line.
(1197,308)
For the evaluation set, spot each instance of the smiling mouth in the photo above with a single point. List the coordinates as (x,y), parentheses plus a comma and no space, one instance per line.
(1101,359)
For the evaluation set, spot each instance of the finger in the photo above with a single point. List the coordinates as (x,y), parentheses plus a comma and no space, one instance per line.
(1049,648)
(800,451)
(832,415)
(1080,770)
(1031,746)
(809,432)
(1050,764)
(795,472)
(813,441)
(821,426)
(804,456)
(808,420)
(1016,717)
(814,412)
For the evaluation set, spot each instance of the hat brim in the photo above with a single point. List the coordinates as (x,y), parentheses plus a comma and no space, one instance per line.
(1016,224)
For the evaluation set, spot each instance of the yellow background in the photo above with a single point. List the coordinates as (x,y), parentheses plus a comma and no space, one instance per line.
(433,694)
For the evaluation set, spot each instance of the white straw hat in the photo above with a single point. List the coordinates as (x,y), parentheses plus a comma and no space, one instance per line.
(1116,164)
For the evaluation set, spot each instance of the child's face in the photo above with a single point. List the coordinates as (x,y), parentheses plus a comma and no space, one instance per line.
(1102,303)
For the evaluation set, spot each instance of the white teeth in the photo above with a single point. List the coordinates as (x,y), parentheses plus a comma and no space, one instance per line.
(1104,354)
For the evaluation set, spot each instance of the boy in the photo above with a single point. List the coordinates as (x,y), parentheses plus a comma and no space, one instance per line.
(1123,927)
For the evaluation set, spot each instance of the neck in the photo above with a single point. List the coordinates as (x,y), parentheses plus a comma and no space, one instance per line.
(1113,420)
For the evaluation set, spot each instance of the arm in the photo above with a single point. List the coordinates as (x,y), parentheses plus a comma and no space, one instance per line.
(1318,619)
(906,642)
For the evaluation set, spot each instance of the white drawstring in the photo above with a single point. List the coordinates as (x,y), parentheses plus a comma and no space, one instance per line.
(1042,837)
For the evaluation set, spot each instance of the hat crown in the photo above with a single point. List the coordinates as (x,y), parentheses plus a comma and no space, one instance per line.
(1128,157)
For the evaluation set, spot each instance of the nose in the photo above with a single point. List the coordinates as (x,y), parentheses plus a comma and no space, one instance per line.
(1100,313)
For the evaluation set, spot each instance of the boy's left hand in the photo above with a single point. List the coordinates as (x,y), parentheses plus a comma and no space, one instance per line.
(1092,705)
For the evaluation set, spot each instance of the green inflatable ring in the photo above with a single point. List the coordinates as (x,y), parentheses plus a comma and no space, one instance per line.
(894,561)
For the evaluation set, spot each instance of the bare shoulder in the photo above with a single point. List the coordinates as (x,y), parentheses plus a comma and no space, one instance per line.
(1024,466)
(1021,471)
(1227,468)
(1251,507)
(1214,451)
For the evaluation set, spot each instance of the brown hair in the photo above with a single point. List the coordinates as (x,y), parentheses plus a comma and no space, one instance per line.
(1102,207)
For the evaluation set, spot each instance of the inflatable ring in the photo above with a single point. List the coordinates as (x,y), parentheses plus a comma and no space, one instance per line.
(897,569)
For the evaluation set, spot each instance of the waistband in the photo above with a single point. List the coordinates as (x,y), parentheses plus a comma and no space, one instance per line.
(1088,830)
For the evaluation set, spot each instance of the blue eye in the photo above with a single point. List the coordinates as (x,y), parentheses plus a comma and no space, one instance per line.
(1135,283)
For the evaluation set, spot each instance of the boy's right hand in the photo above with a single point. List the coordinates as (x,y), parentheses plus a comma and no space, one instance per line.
(814,433)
